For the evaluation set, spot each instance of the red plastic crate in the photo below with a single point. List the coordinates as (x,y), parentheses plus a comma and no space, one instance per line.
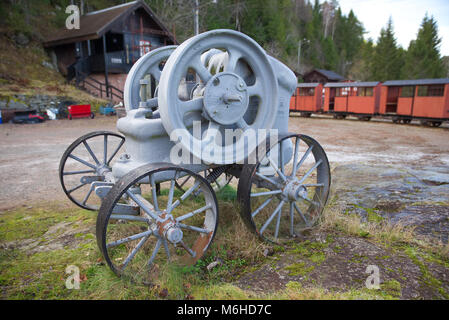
(80,111)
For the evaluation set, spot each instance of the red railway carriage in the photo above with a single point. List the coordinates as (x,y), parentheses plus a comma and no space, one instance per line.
(307,98)
(352,98)
(424,99)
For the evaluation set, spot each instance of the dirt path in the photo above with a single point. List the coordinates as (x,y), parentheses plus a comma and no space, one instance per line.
(30,154)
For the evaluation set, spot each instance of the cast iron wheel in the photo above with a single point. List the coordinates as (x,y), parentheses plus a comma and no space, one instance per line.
(183,224)
(406,121)
(86,160)
(436,123)
(279,202)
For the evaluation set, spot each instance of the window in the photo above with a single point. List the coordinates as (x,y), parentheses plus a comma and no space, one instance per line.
(306,91)
(408,91)
(435,90)
(365,92)
(343,92)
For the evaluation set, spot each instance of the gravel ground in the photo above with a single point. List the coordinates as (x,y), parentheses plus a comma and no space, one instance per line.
(30,154)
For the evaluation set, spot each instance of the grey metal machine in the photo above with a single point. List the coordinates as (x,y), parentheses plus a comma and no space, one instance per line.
(198,114)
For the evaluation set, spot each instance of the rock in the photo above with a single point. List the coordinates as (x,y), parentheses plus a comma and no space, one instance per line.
(48,65)
(213,265)
(17,105)
(21,39)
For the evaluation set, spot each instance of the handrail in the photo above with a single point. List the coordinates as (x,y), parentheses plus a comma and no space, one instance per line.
(110,90)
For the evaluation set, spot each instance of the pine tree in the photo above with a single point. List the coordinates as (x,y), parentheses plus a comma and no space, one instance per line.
(387,58)
(423,59)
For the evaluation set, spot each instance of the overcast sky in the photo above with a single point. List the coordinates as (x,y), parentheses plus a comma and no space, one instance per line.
(407,16)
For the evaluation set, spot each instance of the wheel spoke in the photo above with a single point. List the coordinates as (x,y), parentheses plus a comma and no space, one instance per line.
(263,205)
(261,176)
(133,253)
(201,70)
(167,251)
(76,188)
(171,192)
(275,167)
(304,157)
(154,193)
(279,207)
(292,219)
(128,217)
(78,172)
(192,213)
(185,195)
(295,156)
(128,239)
(115,151)
(105,149)
(278,222)
(265,193)
(190,251)
(234,57)
(314,185)
(86,145)
(193,228)
(191,105)
(310,171)
(301,214)
(155,251)
(255,90)
(88,195)
(316,204)
(143,203)
(82,161)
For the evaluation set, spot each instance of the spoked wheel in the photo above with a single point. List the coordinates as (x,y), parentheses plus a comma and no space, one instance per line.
(172,229)
(87,160)
(217,184)
(278,202)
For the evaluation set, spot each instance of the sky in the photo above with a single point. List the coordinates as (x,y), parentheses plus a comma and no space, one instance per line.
(407,16)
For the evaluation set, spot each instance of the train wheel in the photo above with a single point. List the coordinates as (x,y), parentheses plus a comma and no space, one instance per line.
(424,122)
(436,123)
(406,121)
(173,229)
(278,202)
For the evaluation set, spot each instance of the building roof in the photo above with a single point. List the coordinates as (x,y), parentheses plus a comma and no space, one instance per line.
(94,24)
(416,82)
(330,75)
(351,84)
(308,85)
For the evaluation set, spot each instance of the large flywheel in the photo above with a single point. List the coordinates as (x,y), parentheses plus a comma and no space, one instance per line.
(148,68)
(237,90)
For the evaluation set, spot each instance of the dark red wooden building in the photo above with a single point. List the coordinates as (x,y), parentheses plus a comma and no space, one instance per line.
(100,54)
(322,76)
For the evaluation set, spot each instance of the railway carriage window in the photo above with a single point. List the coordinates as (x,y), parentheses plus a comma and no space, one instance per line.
(342,92)
(408,91)
(436,90)
(365,92)
(306,91)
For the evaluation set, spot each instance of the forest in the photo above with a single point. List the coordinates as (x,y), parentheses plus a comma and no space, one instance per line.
(303,34)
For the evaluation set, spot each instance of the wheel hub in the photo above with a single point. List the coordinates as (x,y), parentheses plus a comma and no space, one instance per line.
(294,190)
(226,98)
(169,229)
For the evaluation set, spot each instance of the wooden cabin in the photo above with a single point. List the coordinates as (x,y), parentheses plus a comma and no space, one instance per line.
(307,98)
(423,98)
(322,76)
(100,54)
(356,98)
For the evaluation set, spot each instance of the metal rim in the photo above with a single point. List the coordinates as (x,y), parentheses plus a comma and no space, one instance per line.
(146,65)
(217,184)
(98,166)
(189,56)
(278,205)
(183,225)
